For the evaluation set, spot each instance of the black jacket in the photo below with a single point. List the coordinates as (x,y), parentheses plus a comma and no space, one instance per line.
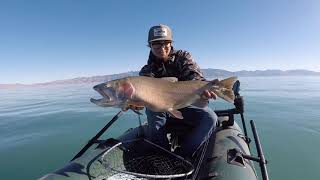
(179,65)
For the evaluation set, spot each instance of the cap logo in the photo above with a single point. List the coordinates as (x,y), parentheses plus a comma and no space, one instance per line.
(162,32)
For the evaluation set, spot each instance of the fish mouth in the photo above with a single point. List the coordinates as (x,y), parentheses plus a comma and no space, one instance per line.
(100,102)
(108,96)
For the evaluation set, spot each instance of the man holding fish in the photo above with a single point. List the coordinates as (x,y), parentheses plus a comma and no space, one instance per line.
(165,61)
(182,99)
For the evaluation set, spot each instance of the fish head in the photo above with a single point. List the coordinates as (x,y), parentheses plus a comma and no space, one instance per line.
(114,93)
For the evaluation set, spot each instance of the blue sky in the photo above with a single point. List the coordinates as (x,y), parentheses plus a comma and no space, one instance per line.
(42,40)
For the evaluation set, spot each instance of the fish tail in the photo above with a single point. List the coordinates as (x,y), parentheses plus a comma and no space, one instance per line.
(225,91)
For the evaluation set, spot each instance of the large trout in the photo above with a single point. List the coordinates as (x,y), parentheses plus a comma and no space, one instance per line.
(160,95)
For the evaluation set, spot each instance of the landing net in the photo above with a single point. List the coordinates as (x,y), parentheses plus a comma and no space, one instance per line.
(142,158)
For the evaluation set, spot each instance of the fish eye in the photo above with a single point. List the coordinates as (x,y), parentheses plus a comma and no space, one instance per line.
(108,85)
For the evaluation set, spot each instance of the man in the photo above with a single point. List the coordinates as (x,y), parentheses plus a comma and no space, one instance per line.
(165,61)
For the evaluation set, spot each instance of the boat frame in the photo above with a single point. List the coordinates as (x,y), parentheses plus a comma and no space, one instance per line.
(230,113)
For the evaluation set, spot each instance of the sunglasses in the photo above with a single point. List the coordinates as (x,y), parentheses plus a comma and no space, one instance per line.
(159,44)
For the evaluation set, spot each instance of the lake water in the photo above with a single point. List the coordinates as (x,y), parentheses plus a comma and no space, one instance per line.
(41,129)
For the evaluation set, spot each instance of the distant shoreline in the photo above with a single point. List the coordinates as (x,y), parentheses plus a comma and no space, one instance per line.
(206,72)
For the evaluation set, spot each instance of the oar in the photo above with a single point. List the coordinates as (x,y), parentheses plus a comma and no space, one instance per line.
(96,137)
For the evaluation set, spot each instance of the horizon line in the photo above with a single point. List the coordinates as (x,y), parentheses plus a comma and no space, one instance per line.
(90,76)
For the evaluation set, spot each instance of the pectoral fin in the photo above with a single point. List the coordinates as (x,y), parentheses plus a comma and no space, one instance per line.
(175,113)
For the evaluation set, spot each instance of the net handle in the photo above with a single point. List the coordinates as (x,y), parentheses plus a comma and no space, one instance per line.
(96,137)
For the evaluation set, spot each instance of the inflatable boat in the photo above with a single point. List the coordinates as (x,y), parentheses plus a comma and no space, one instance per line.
(226,155)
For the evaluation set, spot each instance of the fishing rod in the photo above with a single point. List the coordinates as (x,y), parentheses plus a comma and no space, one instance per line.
(96,137)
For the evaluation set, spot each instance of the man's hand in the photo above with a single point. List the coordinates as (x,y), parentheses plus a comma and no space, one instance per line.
(136,108)
(208,95)
(133,107)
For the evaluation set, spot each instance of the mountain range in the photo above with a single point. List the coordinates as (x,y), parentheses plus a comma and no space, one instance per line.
(208,73)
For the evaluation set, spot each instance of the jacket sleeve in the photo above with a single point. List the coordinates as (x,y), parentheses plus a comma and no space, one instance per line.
(146,70)
(189,69)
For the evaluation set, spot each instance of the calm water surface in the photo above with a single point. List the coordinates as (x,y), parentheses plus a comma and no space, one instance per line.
(41,129)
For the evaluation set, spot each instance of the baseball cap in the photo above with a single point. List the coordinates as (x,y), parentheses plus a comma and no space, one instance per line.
(160,32)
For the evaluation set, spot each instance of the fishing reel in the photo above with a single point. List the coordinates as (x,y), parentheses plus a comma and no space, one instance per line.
(238,101)
(239,107)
